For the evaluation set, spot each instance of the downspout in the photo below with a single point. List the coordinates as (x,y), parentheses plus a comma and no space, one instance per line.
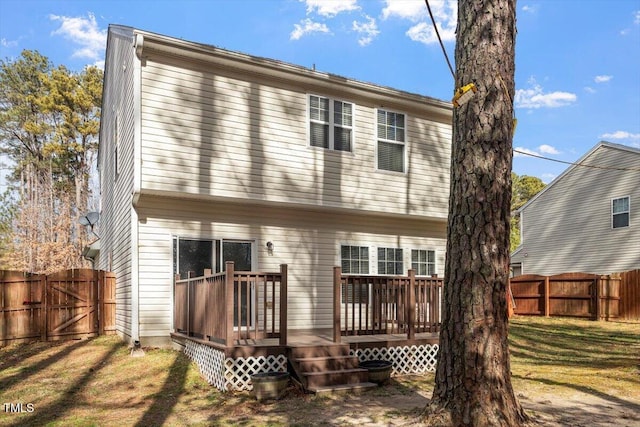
(135,193)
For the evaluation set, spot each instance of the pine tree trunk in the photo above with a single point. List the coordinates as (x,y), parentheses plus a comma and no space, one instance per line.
(473,378)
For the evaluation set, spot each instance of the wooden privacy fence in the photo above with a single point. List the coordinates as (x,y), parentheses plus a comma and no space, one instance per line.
(590,296)
(630,295)
(368,304)
(67,304)
(232,305)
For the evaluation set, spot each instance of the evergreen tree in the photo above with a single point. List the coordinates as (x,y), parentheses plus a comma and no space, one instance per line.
(473,377)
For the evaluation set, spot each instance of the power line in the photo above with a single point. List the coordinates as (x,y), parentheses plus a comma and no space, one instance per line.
(576,164)
(435,27)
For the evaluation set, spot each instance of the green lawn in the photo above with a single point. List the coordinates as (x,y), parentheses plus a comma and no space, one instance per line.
(97,382)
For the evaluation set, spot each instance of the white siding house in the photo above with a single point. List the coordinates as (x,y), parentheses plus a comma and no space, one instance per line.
(586,220)
(208,155)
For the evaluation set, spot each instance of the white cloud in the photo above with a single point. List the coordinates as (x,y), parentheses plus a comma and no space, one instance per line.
(8,43)
(85,32)
(330,8)
(548,149)
(589,89)
(522,152)
(307,26)
(636,17)
(535,97)
(445,13)
(548,177)
(529,9)
(407,9)
(621,134)
(424,33)
(541,151)
(368,30)
(602,79)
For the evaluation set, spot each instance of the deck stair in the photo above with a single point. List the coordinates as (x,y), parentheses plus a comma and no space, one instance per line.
(328,368)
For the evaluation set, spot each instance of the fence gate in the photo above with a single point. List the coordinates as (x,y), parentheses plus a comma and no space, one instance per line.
(72,304)
(68,304)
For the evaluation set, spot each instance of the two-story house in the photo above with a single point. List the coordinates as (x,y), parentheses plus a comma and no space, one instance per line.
(208,155)
(587,219)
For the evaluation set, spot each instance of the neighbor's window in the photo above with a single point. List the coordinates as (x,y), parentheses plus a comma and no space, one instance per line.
(390,261)
(330,123)
(423,262)
(391,141)
(620,212)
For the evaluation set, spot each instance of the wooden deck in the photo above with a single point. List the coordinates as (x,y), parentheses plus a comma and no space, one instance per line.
(309,338)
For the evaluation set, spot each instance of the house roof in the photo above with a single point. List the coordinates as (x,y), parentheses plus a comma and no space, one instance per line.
(598,146)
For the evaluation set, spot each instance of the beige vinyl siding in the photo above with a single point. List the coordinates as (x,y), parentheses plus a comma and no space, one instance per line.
(115,219)
(244,137)
(307,240)
(567,228)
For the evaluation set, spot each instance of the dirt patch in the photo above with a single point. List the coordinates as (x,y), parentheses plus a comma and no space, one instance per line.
(401,402)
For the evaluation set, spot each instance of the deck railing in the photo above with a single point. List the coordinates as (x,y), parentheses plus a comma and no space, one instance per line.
(232,305)
(369,304)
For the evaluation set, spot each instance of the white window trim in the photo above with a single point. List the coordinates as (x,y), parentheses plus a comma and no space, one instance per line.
(362,245)
(332,124)
(405,143)
(435,261)
(404,260)
(628,212)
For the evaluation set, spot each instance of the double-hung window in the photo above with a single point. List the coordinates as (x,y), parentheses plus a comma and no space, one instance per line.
(423,262)
(391,141)
(330,123)
(620,210)
(390,261)
(355,260)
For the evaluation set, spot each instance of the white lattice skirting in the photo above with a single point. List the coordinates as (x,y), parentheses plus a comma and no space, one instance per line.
(415,359)
(228,374)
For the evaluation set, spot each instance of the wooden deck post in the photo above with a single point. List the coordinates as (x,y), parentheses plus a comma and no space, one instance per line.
(229,303)
(283,304)
(337,279)
(188,326)
(411,306)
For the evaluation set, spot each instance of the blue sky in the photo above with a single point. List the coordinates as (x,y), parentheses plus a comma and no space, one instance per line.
(577,61)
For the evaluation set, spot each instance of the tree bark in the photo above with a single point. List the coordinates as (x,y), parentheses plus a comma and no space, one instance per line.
(473,377)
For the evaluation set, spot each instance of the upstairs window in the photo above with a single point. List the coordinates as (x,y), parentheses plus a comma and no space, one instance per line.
(620,212)
(423,262)
(391,141)
(330,123)
(390,261)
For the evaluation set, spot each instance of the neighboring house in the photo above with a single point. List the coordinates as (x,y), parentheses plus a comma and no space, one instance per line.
(586,220)
(208,155)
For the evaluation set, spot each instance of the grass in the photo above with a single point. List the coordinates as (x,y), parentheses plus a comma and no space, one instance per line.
(97,382)
(567,355)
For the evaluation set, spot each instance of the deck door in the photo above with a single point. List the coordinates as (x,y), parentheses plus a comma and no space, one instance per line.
(240,252)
